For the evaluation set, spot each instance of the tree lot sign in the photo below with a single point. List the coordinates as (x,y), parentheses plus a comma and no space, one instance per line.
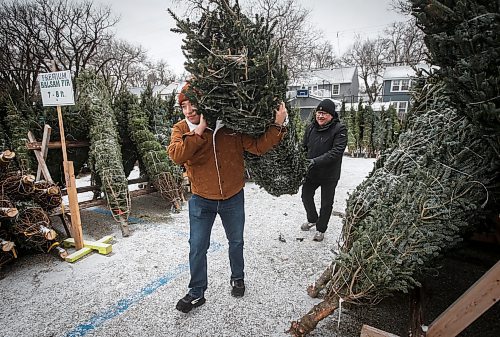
(56,88)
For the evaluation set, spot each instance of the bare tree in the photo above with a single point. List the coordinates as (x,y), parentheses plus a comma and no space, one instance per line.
(405,42)
(401,6)
(369,56)
(159,72)
(35,32)
(323,56)
(121,64)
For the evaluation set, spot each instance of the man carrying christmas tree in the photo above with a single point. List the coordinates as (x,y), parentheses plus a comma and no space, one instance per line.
(214,163)
(324,143)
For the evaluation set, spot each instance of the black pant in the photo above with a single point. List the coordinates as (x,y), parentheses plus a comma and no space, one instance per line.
(327,194)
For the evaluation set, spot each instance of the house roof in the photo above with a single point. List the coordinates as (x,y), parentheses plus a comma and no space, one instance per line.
(399,72)
(328,75)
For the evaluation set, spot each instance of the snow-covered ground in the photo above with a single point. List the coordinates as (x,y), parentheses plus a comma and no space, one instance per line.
(133,290)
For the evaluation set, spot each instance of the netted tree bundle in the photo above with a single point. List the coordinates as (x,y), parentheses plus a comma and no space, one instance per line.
(7,246)
(164,174)
(17,186)
(431,188)
(281,170)
(105,154)
(8,210)
(47,195)
(463,38)
(121,107)
(33,230)
(6,158)
(238,74)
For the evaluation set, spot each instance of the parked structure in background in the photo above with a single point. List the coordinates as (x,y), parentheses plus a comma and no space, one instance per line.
(396,89)
(311,87)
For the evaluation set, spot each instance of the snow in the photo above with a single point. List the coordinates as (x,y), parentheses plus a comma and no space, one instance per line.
(133,290)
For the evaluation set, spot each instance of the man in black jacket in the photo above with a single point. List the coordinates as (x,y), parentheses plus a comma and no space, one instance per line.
(324,142)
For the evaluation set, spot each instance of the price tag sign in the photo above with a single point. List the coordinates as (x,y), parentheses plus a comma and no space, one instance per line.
(56,88)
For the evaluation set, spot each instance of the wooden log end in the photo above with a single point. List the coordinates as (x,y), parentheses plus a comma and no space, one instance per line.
(7,246)
(8,212)
(8,154)
(53,190)
(50,235)
(28,179)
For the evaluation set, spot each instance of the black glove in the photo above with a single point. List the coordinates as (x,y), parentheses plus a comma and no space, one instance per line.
(310,164)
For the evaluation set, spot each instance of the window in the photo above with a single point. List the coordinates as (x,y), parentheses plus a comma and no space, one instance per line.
(400,85)
(335,89)
(401,108)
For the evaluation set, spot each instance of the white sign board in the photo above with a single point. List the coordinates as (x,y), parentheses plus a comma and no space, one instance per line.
(56,88)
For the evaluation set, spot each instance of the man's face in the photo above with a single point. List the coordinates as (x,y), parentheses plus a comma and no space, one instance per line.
(190,112)
(323,118)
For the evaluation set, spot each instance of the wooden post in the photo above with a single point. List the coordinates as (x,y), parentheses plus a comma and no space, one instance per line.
(69,177)
(42,166)
(45,149)
(468,307)
(74,209)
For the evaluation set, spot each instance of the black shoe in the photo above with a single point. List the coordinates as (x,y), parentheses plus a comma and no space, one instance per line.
(238,288)
(189,302)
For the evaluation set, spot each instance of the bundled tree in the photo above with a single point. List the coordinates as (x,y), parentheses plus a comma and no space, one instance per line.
(440,181)
(125,101)
(351,131)
(17,123)
(105,154)
(368,126)
(239,79)
(162,172)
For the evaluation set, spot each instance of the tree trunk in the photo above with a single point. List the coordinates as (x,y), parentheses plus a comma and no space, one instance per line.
(309,321)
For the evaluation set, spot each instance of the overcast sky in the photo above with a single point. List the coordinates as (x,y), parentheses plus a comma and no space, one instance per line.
(148,23)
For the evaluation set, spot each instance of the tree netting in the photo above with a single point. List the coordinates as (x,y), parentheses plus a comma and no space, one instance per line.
(105,154)
(238,78)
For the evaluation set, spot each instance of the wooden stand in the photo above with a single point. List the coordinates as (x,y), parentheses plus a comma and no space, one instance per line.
(481,296)
(75,228)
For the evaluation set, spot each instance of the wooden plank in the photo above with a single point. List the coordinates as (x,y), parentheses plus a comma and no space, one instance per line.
(468,307)
(95,188)
(44,150)
(369,331)
(84,251)
(34,145)
(41,161)
(76,224)
(102,202)
(102,245)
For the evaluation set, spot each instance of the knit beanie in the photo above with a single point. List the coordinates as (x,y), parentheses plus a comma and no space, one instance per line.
(182,95)
(327,106)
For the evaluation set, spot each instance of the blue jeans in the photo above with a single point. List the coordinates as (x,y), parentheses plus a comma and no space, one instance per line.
(202,213)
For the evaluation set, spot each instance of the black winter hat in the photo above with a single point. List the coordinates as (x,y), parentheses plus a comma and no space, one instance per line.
(328,106)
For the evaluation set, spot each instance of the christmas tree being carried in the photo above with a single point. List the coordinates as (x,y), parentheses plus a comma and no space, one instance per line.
(239,79)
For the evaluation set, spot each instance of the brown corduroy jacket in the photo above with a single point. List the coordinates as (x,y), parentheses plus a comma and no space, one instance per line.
(215,165)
